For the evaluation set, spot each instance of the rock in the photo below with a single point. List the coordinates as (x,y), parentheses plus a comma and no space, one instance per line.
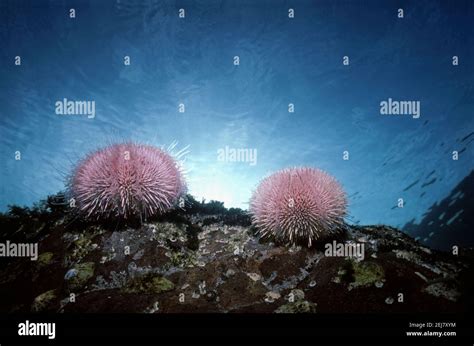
(300,306)
(138,255)
(441,289)
(82,245)
(149,284)
(198,262)
(366,273)
(78,276)
(44,259)
(44,301)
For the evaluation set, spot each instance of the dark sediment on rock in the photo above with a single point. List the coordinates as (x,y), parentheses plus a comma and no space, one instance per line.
(208,259)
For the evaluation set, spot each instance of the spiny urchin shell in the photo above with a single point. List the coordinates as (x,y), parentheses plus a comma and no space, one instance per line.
(126,180)
(298,204)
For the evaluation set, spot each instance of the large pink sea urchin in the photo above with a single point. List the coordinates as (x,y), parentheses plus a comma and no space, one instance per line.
(126,180)
(298,204)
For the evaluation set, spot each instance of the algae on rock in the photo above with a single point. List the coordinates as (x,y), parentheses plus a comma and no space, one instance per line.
(149,283)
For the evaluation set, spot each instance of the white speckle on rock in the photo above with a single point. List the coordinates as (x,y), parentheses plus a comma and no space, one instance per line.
(270,297)
(138,255)
(428,251)
(70,274)
(229,273)
(440,289)
(254,276)
(294,249)
(154,308)
(421,276)
(202,287)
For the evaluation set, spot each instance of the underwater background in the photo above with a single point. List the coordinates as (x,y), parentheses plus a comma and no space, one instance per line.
(282,61)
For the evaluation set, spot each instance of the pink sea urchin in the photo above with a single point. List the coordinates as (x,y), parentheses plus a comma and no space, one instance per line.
(126,180)
(298,204)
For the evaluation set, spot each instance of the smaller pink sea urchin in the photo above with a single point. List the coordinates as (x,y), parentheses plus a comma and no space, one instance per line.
(126,180)
(298,204)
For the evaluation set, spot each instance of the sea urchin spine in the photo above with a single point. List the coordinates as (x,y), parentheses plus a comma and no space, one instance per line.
(298,204)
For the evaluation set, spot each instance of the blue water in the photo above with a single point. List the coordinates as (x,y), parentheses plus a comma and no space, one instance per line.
(282,61)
